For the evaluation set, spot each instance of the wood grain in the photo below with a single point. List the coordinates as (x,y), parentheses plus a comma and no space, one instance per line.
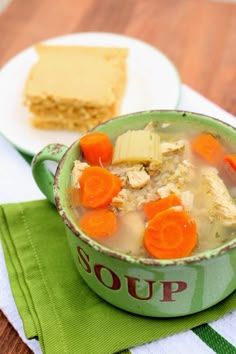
(199,36)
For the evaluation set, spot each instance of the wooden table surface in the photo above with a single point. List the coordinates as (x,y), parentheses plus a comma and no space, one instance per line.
(199,36)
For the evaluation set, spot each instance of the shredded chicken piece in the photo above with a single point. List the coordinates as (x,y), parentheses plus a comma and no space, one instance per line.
(223,205)
(187,199)
(170,148)
(77,171)
(153,168)
(120,200)
(121,170)
(166,190)
(138,179)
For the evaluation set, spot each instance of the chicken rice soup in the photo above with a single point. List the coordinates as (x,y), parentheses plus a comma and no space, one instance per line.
(167,191)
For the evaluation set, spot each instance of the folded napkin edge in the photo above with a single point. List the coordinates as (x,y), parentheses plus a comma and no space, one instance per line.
(20,290)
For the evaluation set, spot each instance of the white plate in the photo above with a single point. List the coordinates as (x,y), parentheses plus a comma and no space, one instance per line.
(153,83)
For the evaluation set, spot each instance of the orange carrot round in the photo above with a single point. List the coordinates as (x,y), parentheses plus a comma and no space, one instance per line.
(208,148)
(152,208)
(98,186)
(96,148)
(170,234)
(99,223)
(231,159)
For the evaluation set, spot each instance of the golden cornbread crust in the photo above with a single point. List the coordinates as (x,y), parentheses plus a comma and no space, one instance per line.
(75,87)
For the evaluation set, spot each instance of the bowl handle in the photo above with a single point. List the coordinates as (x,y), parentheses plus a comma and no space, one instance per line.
(42,174)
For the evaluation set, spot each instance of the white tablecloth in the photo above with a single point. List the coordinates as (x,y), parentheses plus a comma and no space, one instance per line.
(18,185)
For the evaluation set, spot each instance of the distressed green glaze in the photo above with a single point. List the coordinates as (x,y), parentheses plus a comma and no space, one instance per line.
(157,288)
(41,173)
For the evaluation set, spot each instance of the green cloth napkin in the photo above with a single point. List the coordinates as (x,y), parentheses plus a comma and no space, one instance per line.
(54,302)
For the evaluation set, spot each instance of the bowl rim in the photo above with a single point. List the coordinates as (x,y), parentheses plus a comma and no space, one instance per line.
(206,255)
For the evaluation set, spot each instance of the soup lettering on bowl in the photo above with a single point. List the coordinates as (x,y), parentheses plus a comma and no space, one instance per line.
(165,191)
(149,206)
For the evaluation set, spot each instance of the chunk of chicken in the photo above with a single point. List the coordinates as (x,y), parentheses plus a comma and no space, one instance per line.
(120,200)
(166,190)
(153,168)
(138,179)
(187,199)
(77,171)
(170,148)
(223,205)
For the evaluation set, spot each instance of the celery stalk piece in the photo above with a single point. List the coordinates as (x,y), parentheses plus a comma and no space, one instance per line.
(137,146)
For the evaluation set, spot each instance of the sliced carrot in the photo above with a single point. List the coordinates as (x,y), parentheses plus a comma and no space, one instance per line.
(152,208)
(231,159)
(99,223)
(170,234)
(208,148)
(97,148)
(74,197)
(98,186)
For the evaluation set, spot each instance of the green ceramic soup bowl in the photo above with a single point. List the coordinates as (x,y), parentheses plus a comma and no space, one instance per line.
(150,287)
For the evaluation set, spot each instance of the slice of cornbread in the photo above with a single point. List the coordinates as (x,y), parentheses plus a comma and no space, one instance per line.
(75,87)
